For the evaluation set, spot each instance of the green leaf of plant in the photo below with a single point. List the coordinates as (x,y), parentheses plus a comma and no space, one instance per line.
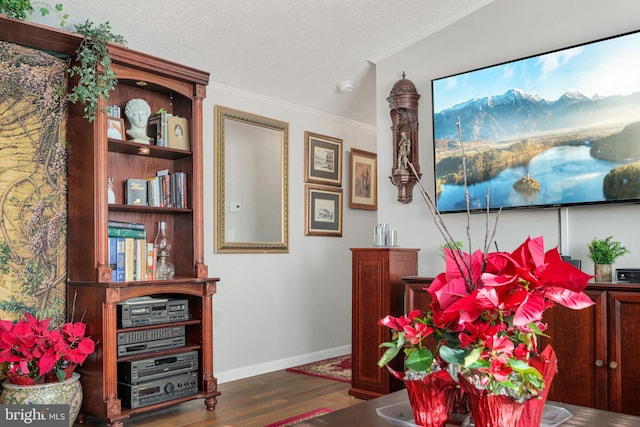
(452,355)
(388,356)
(419,360)
(472,357)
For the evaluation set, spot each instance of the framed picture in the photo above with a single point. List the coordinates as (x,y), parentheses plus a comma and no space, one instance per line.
(323,211)
(115,128)
(363,192)
(322,159)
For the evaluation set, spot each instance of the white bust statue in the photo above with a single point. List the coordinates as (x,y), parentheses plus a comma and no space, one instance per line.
(138,112)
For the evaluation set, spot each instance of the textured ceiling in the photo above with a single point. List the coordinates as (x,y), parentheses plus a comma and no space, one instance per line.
(291,50)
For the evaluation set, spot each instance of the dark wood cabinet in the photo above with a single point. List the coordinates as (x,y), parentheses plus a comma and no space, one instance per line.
(597,348)
(416,295)
(93,294)
(377,290)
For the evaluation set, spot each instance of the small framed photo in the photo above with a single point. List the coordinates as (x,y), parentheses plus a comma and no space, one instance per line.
(323,211)
(363,192)
(115,128)
(322,159)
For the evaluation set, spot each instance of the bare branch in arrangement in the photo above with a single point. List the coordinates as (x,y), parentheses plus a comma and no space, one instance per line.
(444,231)
(463,264)
(467,198)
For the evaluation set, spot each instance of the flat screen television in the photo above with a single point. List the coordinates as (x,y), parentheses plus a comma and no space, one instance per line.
(556,129)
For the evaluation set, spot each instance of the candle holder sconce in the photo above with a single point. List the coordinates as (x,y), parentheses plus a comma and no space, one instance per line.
(403,102)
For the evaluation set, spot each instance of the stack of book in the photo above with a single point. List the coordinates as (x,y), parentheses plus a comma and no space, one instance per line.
(131,257)
(168,190)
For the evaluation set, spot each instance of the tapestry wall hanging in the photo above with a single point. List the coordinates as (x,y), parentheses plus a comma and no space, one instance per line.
(33,183)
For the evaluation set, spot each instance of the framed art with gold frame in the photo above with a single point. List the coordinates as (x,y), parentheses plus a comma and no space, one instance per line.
(322,159)
(322,211)
(363,193)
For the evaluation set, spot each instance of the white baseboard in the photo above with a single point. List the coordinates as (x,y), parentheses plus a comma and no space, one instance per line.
(277,365)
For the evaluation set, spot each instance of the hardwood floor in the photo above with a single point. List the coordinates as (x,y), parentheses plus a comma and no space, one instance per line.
(252,402)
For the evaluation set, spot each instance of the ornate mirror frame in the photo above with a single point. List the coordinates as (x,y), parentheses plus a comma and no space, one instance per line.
(232,129)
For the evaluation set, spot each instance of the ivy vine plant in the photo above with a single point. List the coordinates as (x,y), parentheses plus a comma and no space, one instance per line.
(96,78)
(20,9)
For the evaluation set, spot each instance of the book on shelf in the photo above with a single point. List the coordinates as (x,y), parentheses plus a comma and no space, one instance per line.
(153,192)
(120,259)
(140,259)
(129,259)
(136,191)
(113,256)
(126,232)
(122,224)
(165,187)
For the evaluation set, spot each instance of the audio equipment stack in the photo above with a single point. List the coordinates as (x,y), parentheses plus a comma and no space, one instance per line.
(155,378)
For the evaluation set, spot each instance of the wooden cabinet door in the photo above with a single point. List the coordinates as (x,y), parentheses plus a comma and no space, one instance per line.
(378,290)
(579,338)
(623,364)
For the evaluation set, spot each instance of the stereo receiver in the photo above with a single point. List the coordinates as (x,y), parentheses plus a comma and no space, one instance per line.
(151,311)
(160,390)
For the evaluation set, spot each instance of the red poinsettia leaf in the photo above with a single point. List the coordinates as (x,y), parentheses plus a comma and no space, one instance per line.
(496,262)
(512,298)
(467,308)
(47,362)
(561,273)
(530,253)
(568,298)
(87,346)
(487,298)
(529,311)
(489,279)
(74,330)
(5,325)
(453,261)
(450,292)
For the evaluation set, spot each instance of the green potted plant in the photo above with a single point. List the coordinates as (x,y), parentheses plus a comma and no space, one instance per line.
(603,253)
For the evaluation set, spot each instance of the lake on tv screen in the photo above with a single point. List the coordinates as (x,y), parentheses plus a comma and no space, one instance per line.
(566,174)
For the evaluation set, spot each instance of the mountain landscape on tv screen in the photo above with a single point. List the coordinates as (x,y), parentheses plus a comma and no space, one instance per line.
(516,114)
(533,152)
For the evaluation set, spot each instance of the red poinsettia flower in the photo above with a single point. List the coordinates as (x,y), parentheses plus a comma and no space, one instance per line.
(398,323)
(409,333)
(33,349)
(488,308)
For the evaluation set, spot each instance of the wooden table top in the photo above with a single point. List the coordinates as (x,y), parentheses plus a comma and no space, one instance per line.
(365,415)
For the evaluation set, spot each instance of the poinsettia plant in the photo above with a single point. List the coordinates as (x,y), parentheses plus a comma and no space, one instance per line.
(408,335)
(489,320)
(486,310)
(33,349)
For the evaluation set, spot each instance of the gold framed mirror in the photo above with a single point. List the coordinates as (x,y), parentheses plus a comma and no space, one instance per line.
(252,183)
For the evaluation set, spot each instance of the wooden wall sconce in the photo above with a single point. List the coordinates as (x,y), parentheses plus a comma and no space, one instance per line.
(403,102)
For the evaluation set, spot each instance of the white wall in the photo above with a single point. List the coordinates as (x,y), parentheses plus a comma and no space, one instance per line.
(501,31)
(274,311)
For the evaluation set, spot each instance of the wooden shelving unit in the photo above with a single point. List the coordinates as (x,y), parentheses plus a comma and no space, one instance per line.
(92,157)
